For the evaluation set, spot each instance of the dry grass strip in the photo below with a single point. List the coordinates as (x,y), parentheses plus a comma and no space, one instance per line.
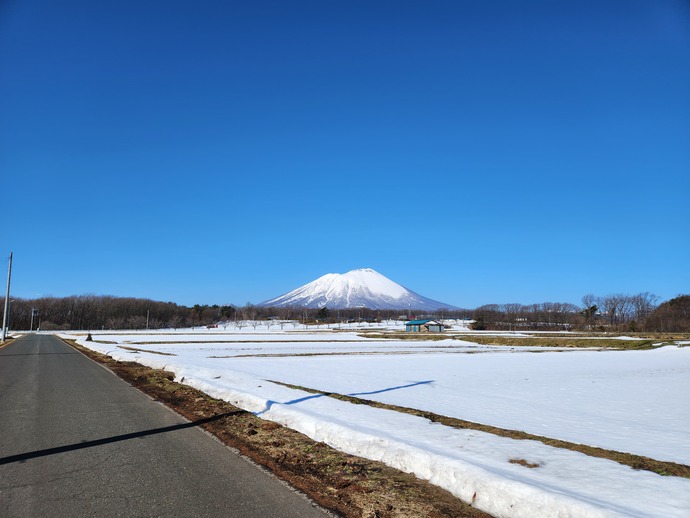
(137,350)
(589,342)
(549,341)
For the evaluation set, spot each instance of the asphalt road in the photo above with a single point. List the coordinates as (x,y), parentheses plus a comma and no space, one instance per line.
(75,440)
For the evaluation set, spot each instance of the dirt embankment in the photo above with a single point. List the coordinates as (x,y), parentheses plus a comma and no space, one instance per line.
(347,485)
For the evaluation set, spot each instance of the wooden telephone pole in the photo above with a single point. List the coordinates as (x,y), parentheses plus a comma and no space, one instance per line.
(6,313)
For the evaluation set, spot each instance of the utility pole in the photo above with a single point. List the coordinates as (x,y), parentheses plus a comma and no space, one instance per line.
(34,311)
(6,313)
(147,319)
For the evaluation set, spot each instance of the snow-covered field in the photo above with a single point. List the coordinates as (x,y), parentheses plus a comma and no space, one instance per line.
(631,401)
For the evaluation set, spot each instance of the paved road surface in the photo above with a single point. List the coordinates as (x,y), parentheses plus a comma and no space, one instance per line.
(75,440)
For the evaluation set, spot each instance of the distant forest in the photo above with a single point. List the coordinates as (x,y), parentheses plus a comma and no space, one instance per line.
(613,313)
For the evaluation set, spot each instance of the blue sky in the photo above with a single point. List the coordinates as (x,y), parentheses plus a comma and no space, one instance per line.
(227,152)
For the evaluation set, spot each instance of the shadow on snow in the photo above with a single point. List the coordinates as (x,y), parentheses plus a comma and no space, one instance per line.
(270,402)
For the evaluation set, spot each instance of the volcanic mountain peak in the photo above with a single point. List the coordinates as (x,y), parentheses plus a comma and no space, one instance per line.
(357,288)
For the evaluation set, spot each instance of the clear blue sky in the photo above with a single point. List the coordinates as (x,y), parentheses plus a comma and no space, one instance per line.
(226,152)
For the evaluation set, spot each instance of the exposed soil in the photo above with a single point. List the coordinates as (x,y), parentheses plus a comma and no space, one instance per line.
(548,341)
(527,341)
(347,485)
(137,350)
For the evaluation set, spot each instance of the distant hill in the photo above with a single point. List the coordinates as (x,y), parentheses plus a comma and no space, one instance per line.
(354,289)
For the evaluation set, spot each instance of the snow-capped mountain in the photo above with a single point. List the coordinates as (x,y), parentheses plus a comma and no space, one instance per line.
(354,289)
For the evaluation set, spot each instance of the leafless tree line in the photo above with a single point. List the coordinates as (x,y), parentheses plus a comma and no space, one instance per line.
(615,312)
(251,312)
(92,312)
(545,316)
(619,310)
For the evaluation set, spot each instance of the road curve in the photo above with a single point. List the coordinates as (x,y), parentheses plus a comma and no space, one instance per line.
(75,440)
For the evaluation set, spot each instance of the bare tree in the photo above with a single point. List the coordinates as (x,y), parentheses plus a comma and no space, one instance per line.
(643,305)
(512,312)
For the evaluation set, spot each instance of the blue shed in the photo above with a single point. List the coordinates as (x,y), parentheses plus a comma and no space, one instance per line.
(423,326)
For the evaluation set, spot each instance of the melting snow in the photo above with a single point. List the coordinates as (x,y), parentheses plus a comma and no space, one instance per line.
(629,400)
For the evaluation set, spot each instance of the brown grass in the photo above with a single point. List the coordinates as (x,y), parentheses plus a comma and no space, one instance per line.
(595,341)
(550,341)
(137,350)
(348,485)
(525,463)
(597,334)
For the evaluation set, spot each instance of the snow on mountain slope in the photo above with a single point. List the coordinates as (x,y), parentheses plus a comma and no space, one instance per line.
(357,288)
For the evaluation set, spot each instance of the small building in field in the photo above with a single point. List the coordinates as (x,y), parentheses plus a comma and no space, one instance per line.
(423,326)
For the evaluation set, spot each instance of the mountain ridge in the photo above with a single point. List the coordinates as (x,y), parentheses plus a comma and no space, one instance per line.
(363,287)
